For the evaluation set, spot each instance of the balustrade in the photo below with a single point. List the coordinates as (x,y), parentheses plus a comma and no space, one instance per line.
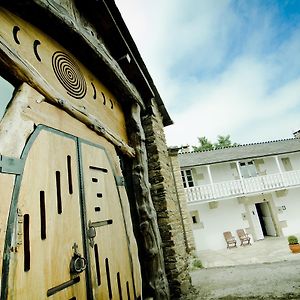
(243,187)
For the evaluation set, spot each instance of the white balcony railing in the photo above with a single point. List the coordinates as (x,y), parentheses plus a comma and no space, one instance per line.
(246,186)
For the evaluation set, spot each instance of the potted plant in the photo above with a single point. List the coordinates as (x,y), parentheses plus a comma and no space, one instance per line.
(293,244)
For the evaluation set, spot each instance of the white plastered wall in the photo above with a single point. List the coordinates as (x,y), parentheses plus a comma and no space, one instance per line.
(294,159)
(227,216)
(223,172)
(288,205)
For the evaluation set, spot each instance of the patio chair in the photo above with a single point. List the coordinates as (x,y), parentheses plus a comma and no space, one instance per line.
(244,237)
(230,240)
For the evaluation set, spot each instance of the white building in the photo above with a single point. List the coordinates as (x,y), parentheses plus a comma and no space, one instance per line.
(255,187)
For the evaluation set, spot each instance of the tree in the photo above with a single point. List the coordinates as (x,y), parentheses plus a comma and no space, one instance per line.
(205,144)
(224,141)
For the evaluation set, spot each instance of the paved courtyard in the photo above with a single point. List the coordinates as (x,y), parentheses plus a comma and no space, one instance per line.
(271,249)
(265,270)
(277,280)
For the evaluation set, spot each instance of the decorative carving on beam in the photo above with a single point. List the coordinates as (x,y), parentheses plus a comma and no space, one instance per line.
(68,79)
(156,280)
(24,71)
(64,14)
(80,114)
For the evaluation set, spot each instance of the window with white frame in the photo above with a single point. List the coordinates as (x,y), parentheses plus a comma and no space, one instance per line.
(187,178)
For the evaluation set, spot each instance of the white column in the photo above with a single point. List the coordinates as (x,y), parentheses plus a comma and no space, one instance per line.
(211,180)
(280,170)
(278,164)
(240,175)
(239,169)
(209,175)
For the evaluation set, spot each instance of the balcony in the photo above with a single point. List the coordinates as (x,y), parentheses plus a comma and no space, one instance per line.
(242,187)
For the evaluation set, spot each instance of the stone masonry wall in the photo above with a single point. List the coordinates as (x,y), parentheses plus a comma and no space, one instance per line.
(180,195)
(166,205)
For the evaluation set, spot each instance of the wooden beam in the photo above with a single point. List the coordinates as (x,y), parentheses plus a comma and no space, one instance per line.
(88,45)
(25,72)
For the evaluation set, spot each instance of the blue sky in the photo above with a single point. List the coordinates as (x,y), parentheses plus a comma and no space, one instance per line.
(221,66)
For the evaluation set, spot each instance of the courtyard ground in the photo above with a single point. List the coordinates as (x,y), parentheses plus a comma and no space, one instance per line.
(265,270)
(277,280)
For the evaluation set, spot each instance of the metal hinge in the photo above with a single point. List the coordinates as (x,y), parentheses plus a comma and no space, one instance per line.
(11,165)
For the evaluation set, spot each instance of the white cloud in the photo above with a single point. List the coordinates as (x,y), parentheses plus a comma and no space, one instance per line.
(221,67)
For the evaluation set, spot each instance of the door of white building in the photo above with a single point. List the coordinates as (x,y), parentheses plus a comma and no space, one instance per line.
(265,216)
(261,217)
(257,228)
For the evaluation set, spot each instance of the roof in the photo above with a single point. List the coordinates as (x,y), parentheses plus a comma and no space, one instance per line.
(248,151)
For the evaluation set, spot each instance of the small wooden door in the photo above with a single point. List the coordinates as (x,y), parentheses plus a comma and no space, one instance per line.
(69,239)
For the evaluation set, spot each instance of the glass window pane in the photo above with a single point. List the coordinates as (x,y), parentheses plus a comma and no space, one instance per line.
(191,183)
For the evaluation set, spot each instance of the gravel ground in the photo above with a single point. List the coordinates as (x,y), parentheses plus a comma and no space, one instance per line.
(280,280)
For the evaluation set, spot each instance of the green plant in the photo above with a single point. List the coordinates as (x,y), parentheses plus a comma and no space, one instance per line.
(197,264)
(292,240)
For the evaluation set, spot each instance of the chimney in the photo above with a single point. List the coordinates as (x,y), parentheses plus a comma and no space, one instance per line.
(296,134)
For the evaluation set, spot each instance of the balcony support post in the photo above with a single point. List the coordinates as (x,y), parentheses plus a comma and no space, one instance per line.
(211,180)
(280,170)
(278,164)
(241,177)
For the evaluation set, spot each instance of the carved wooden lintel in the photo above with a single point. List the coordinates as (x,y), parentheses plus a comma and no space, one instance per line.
(82,115)
(155,277)
(25,72)
(64,14)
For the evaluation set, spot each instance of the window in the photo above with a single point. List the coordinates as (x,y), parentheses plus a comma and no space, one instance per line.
(196,223)
(287,164)
(187,178)
(248,169)
(6,93)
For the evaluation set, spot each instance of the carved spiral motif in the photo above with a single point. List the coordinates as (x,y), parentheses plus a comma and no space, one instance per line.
(69,75)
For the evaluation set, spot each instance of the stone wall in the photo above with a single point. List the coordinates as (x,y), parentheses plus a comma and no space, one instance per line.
(166,205)
(181,198)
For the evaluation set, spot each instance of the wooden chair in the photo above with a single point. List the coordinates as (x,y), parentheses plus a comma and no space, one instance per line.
(230,240)
(244,237)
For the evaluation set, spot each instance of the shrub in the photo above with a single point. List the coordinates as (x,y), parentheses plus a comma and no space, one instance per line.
(197,263)
(292,240)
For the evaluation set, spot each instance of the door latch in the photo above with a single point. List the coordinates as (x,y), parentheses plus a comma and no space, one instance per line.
(91,230)
(78,263)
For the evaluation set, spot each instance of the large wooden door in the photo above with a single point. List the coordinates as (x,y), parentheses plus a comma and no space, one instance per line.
(69,239)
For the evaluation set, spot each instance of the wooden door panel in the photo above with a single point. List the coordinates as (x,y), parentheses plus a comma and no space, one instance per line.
(49,221)
(66,193)
(111,260)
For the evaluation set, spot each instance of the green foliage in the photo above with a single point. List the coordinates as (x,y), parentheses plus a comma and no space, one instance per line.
(197,264)
(224,141)
(205,144)
(292,240)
